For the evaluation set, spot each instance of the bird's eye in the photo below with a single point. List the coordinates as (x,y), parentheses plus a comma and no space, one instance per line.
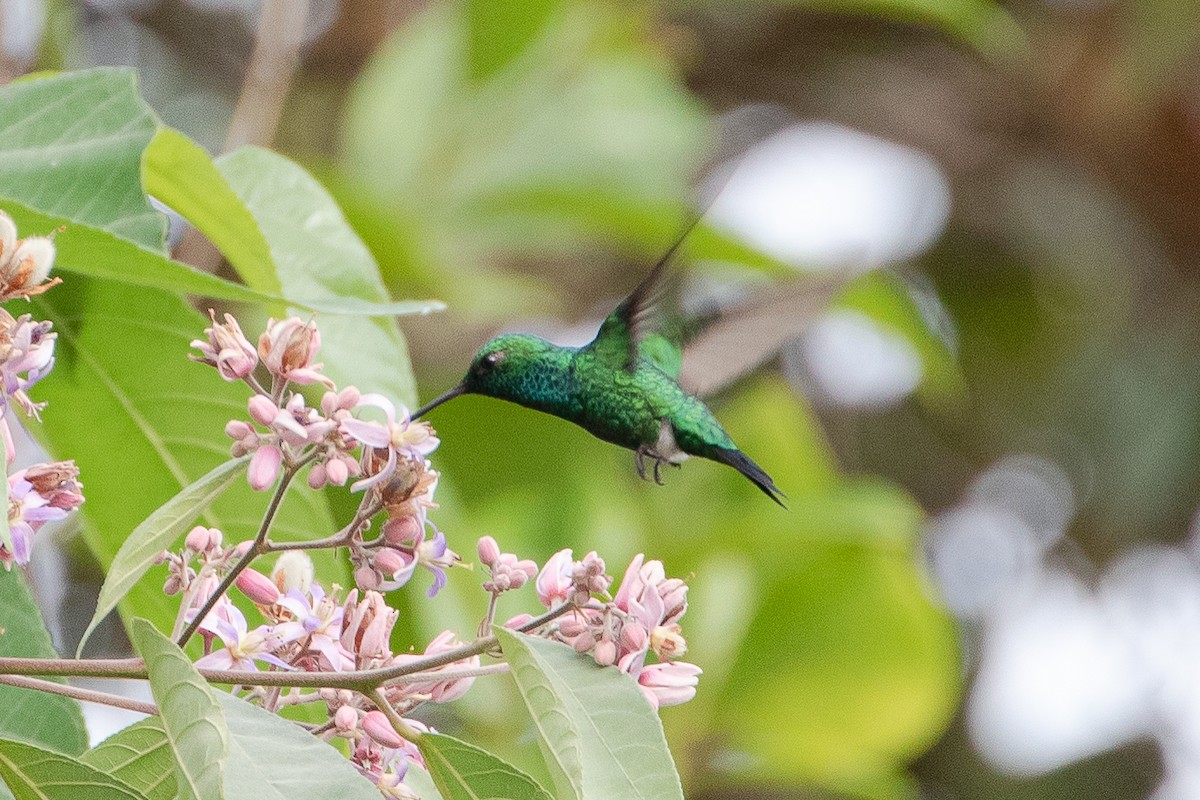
(490,360)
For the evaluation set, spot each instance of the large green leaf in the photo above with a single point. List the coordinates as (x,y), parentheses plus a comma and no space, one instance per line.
(32,716)
(35,774)
(192,718)
(156,533)
(501,30)
(599,733)
(273,759)
(463,771)
(154,423)
(181,174)
(318,254)
(71,147)
(139,755)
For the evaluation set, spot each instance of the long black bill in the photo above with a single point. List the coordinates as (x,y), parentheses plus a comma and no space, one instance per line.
(432,404)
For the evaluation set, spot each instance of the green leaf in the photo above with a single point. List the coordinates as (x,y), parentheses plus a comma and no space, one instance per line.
(191,716)
(156,533)
(140,756)
(181,174)
(420,782)
(273,759)
(32,716)
(463,771)
(318,254)
(154,424)
(600,735)
(71,148)
(500,30)
(35,774)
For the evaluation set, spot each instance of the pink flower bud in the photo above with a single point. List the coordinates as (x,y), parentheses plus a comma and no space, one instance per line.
(367,577)
(264,467)
(488,550)
(172,586)
(518,621)
(197,539)
(329,403)
(345,719)
(583,642)
(554,581)
(237,430)
(336,472)
(257,587)
(376,725)
(242,548)
(605,652)
(317,476)
(389,561)
(348,398)
(402,531)
(262,410)
(572,625)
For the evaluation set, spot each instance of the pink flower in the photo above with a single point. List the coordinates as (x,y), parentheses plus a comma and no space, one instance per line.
(314,615)
(227,349)
(367,626)
(242,647)
(400,437)
(288,348)
(37,495)
(554,581)
(669,684)
(442,691)
(26,356)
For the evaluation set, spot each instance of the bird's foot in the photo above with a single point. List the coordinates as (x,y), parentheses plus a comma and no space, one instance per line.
(639,460)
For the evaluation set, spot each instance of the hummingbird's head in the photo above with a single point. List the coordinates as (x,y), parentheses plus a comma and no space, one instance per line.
(502,365)
(502,368)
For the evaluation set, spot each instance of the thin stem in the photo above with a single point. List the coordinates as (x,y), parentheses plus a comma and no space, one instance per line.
(359,680)
(77,693)
(251,554)
(366,510)
(451,675)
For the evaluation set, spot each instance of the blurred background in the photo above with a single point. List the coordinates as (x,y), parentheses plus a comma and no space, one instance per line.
(988,583)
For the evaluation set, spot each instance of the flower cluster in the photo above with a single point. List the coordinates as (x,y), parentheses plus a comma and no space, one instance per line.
(387,460)
(44,492)
(641,619)
(368,444)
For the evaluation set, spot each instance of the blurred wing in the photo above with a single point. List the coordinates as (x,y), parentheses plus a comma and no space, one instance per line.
(748,335)
(647,324)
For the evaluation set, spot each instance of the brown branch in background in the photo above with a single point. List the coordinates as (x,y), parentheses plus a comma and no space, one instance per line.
(273,64)
(269,75)
(77,693)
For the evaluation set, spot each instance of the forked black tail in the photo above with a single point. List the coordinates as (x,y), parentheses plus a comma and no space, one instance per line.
(745,465)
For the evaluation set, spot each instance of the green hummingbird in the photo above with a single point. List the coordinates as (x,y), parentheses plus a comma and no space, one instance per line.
(624,386)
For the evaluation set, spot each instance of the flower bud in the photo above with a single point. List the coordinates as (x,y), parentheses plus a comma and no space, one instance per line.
(583,642)
(488,550)
(605,652)
(198,540)
(237,430)
(376,725)
(345,719)
(518,621)
(293,570)
(257,587)
(389,561)
(336,472)
(262,409)
(317,476)
(633,637)
(242,548)
(173,585)
(264,467)
(367,577)
(402,531)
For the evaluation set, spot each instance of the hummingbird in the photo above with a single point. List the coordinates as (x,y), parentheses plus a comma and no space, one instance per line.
(625,387)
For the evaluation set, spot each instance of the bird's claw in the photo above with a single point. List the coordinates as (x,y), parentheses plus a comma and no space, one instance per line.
(639,460)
